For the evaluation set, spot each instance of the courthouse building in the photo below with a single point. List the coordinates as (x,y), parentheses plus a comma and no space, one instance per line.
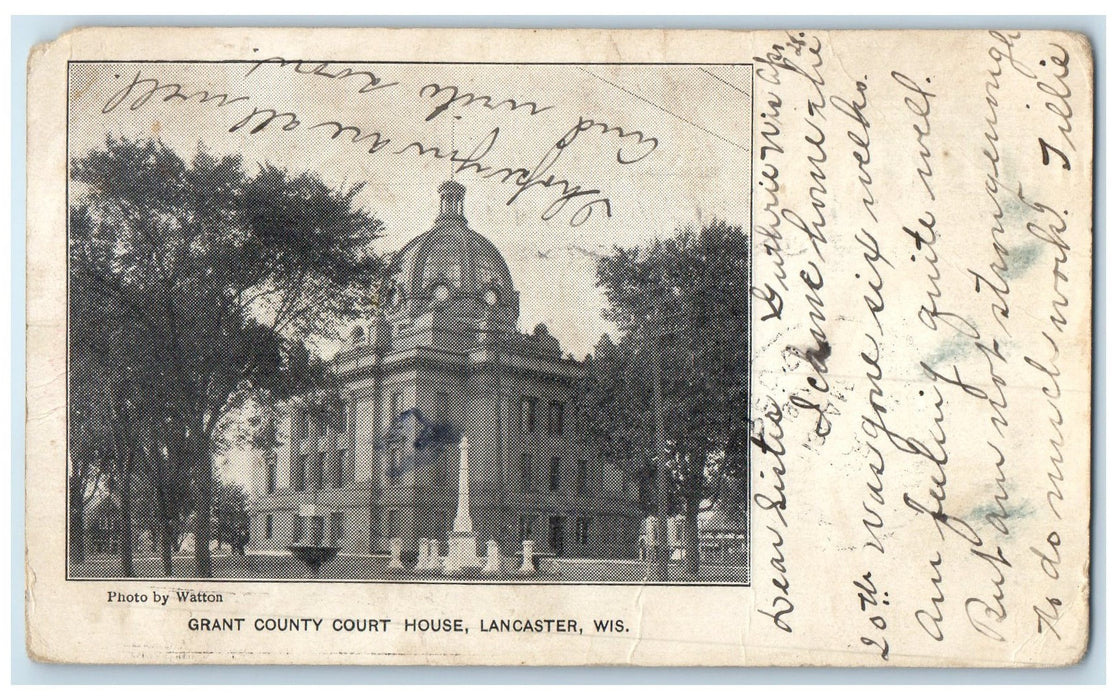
(444,358)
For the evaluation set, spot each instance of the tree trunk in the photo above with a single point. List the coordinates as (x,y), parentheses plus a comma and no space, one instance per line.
(126,518)
(692,496)
(166,546)
(662,551)
(203,521)
(690,527)
(77,521)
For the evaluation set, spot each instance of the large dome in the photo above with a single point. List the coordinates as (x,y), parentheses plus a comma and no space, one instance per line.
(449,262)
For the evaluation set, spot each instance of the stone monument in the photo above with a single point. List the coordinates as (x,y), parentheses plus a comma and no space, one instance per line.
(462,544)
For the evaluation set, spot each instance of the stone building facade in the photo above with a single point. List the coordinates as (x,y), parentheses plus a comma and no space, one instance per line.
(444,358)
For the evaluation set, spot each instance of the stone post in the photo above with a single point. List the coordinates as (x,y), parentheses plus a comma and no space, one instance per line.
(492,558)
(396,547)
(528,567)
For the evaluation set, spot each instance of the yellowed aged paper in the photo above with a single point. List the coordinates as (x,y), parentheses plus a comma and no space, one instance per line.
(559,347)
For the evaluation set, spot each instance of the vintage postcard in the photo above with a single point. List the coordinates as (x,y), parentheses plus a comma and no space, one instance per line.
(559,347)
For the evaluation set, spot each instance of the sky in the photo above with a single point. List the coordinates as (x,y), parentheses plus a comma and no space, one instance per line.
(663,146)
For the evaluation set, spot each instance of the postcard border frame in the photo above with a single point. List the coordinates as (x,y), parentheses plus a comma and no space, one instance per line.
(747,583)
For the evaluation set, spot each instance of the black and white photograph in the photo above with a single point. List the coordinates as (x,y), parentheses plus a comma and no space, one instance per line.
(437,322)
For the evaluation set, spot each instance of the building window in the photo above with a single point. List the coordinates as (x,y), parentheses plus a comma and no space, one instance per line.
(395,524)
(443,475)
(318,475)
(298,531)
(528,406)
(337,527)
(268,526)
(556,535)
(339,468)
(317,526)
(320,421)
(555,478)
(298,473)
(375,527)
(583,477)
(582,530)
(343,418)
(526,521)
(273,475)
(525,473)
(554,418)
(394,470)
(393,410)
(298,421)
(441,407)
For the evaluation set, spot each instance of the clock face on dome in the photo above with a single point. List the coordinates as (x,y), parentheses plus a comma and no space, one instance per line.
(441,293)
(491,297)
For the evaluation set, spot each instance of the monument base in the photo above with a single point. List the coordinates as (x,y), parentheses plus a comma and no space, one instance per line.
(461,552)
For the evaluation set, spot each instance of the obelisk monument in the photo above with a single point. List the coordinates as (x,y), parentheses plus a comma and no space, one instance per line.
(462,545)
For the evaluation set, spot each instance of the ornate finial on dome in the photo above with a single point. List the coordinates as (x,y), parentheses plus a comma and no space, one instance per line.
(453,200)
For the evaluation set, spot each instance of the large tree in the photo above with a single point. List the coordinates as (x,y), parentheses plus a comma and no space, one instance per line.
(681,305)
(224,270)
(90,458)
(612,407)
(111,381)
(166,496)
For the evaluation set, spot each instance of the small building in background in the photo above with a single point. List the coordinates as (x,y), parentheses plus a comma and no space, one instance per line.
(104,529)
(722,535)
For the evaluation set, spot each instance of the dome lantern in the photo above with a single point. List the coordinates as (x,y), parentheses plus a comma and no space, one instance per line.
(453,201)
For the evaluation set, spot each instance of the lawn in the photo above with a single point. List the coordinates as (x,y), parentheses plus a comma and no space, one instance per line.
(277,566)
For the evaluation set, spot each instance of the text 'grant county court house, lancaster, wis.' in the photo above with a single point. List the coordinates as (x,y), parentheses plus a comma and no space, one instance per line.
(444,359)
